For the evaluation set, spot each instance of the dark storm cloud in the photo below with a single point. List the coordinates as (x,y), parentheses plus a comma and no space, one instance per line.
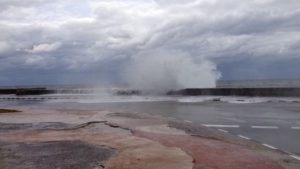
(118,31)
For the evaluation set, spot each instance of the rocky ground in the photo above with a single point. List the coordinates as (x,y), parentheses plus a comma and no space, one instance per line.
(71,139)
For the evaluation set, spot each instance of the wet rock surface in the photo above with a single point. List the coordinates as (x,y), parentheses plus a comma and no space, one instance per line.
(213,153)
(196,130)
(126,115)
(100,139)
(12,127)
(204,132)
(53,155)
(209,148)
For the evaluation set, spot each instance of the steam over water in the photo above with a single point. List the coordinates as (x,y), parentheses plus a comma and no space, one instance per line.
(86,94)
(163,71)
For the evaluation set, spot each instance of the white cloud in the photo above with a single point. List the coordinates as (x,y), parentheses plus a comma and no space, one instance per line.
(86,34)
(5,4)
(3,47)
(45,47)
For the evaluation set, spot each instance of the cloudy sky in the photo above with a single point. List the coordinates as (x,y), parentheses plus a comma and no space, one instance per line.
(188,42)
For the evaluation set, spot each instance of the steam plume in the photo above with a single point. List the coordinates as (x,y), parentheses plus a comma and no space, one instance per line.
(166,70)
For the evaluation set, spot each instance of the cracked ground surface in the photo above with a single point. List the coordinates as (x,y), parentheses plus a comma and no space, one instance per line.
(53,154)
(48,138)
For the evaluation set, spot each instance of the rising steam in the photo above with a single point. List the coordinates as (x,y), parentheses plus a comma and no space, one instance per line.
(162,71)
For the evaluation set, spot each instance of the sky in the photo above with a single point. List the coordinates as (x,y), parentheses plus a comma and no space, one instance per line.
(149,43)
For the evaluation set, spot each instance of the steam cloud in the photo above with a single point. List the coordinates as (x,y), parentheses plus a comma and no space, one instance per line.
(165,70)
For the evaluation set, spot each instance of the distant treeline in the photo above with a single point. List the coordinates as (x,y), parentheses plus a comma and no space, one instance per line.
(27,91)
(269,92)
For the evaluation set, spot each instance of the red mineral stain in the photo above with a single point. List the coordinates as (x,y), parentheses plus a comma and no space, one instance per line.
(210,153)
